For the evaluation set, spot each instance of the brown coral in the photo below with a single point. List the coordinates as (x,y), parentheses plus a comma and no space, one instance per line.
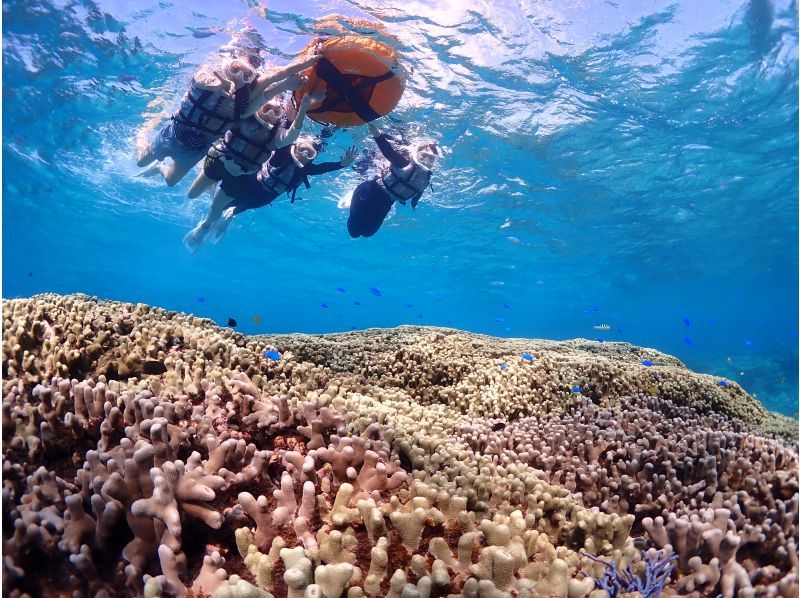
(148,451)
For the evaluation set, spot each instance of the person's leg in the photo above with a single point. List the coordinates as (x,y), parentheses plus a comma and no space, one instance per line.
(368,209)
(200,184)
(175,171)
(145,151)
(195,237)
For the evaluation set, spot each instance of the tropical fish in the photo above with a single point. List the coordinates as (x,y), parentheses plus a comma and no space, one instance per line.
(232,323)
(256,319)
(440,295)
(375,291)
(499,319)
(748,342)
(409,305)
(356,302)
(730,358)
(503,366)
(527,357)
(647,362)
(201,299)
(653,390)
(273,355)
(602,327)
(687,321)
(323,305)
(506,306)
(514,240)
(341,289)
(687,340)
(723,383)
(576,389)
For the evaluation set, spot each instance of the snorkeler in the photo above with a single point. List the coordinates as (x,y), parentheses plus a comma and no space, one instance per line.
(406,178)
(250,142)
(219,96)
(287,169)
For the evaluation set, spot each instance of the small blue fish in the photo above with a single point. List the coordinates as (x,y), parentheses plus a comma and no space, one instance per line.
(440,296)
(341,289)
(323,305)
(375,291)
(419,315)
(647,362)
(599,340)
(499,319)
(687,340)
(273,355)
(527,357)
(595,307)
(687,321)
(201,299)
(723,383)
(506,306)
(356,302)
(503,366)
(576,389)
(409,305)
(748,342)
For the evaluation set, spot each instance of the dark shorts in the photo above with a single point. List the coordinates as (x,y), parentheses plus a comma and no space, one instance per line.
(214,168)
(185,147)
(247,192)
(369,207)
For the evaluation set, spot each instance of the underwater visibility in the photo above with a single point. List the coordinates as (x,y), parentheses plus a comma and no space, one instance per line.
(405,299)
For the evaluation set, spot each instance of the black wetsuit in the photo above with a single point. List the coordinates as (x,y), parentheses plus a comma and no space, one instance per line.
(248,191)
(371,203)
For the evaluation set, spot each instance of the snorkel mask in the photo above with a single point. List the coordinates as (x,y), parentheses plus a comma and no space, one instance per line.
(270,114)
(425,155)
(238,72)
(304,150)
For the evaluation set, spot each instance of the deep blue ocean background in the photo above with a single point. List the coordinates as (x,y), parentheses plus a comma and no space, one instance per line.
(626,163)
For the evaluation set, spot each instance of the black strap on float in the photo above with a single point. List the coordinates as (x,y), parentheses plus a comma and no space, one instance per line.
(350,88)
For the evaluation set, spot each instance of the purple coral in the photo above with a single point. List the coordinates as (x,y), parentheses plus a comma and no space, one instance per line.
(658,568)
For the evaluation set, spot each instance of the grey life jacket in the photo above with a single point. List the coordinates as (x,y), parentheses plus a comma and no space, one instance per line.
(201,110)
(406,183)
(251,143)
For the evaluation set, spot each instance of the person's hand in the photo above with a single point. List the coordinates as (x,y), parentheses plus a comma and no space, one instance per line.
(312,98)
(373,129)
(348,157)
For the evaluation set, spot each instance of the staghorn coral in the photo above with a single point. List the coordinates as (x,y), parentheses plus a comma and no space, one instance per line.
(151,453)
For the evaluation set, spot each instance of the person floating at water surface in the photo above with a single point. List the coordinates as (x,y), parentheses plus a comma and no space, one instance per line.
(250,142)
(287,169)
(406,178)
(219,96)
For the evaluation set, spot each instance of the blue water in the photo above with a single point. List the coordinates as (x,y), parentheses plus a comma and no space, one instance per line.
(627,163)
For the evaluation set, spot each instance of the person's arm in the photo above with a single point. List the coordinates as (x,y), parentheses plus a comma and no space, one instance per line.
(395,158)
(324,167)
(288,136)
(276,75)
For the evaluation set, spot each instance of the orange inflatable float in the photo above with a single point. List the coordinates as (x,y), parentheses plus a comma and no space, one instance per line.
(360,85)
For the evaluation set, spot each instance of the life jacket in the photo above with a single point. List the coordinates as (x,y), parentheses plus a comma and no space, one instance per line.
(200,109)
(251,143)
(406,183)
(284,178)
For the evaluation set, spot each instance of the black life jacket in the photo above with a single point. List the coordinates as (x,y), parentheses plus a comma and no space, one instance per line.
(284,178)
(200,109)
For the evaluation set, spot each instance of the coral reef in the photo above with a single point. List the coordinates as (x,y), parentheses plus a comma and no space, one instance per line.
(151,453)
